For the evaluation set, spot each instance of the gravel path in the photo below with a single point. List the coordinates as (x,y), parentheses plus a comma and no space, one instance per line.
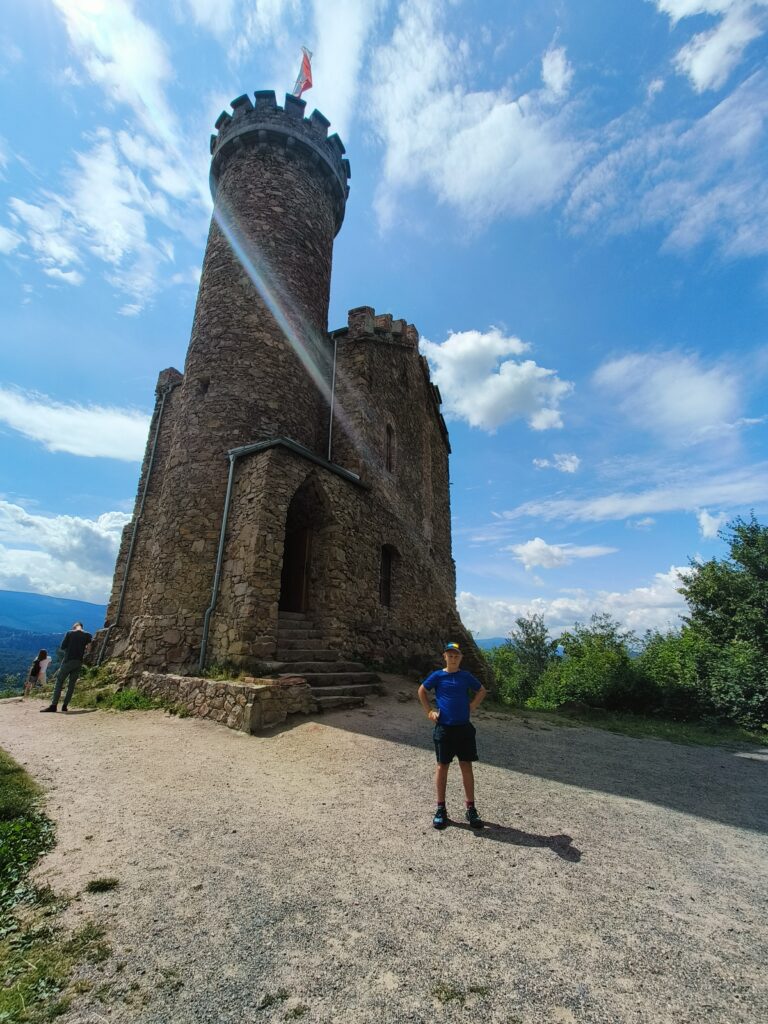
(622,880)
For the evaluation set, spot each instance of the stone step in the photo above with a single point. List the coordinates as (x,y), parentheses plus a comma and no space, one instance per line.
(331,703)
(306,654)
(337,678)
(291,616)
(299,634)
(350,690)
(290,643)
(302,668)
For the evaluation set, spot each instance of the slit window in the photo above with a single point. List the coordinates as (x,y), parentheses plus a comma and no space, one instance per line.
(389,459)
(385,578)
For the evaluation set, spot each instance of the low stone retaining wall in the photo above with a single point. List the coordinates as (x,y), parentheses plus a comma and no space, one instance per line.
(248,705)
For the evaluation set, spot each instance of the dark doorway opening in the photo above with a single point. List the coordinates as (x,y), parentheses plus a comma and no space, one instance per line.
(294,581)
(308,516)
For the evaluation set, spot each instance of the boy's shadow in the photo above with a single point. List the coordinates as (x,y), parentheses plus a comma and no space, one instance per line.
(559,844)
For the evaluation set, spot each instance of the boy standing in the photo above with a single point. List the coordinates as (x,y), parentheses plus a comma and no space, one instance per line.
(454,734)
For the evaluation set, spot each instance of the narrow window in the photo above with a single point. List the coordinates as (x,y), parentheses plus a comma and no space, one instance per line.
(390,454)
(385,579)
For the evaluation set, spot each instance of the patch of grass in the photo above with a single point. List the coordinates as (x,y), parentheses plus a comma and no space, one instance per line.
(642,726)
(223,670)
(102,884)
(273,998)
(37,959)
(297,1011)
(479,990)
(445,993)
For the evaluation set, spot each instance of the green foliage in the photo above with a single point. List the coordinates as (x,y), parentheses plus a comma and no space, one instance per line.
(596,668)
(36,960)
(520,663)
(728,598)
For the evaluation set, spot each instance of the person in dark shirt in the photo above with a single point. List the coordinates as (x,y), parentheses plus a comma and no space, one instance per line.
(72,649)
(454,734)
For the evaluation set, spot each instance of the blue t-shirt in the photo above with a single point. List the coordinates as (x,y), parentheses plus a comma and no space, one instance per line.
(452,694)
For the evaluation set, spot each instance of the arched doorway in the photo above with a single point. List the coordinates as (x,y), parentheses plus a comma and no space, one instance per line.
(308,515)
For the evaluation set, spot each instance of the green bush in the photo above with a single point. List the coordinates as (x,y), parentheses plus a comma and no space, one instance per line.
(737,684)
(596,668)
(674,666)
(507,673)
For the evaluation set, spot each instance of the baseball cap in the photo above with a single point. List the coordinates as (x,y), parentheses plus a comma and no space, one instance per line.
(452,647)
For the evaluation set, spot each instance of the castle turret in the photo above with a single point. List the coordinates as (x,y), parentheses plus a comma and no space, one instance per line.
(259,360)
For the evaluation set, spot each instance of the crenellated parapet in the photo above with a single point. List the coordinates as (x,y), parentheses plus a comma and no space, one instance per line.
(263,123)
(365,325)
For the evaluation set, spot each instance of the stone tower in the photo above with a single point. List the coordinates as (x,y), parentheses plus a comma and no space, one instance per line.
(287,469)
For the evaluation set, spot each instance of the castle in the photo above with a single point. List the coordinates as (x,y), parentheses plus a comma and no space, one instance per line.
(292,475)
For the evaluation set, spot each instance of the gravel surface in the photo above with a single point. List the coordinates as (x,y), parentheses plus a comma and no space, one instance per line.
(296,876)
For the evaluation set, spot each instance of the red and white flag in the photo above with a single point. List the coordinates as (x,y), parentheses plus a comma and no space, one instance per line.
(304,79)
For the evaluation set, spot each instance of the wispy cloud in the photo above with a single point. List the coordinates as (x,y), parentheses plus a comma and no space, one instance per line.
(740,488)
(657,605)
(66,556)
(564,462)
(94,431)
(481,384)
(484,153)
(709,57)
(537,552)
(672,394)
(699,182)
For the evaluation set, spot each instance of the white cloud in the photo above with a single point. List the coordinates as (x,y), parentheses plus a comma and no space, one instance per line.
(672,394)
(215,15)
(485,153)
(537,552)
(73,277)
(654,606)
(66,556)
(123,55)
(562,461)
(745,487)
(710,524)
(556,72)
(641,524)
(698,182)
(95,431)
(9,240)
(710,56)
(480,384)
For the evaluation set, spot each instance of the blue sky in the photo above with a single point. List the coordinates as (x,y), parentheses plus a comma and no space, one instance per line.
(569,199)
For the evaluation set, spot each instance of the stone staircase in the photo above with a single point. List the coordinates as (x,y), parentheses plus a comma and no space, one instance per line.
(303,651)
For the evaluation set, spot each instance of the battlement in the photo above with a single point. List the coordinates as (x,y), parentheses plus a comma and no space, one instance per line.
(264,123)
(363,322)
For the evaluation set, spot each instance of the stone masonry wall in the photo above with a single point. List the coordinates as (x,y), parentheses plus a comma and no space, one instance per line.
(248,706)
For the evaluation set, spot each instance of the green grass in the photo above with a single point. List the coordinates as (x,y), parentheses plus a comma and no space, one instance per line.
(643,727)
(445,993)
(37,959)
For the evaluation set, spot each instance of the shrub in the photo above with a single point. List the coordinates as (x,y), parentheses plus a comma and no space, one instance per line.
(507,673)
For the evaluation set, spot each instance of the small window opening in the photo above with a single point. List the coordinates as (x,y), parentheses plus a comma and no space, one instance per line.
(389,460)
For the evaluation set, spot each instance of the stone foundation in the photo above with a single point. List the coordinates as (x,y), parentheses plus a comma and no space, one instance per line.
(249,705)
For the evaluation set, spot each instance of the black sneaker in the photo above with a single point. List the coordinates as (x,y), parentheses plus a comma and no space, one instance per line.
(440,819)
(474,818)
(64,708)
(51,707)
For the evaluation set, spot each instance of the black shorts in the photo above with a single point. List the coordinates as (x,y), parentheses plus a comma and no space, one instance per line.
(455,741)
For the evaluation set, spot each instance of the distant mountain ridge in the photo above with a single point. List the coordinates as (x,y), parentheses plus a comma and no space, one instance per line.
(38,613)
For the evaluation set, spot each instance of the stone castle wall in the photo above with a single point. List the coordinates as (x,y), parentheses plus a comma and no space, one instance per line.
(258,369)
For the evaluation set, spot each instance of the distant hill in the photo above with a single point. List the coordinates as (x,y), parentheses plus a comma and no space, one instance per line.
(489,642)
(29,622)
(37,613)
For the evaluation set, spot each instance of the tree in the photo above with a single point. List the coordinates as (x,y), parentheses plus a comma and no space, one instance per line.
(728,598)
(533,650)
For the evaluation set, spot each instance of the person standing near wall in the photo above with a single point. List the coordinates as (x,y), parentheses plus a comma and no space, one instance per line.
(73,648)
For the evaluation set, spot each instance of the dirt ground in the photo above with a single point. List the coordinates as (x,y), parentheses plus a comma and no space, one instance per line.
(296,875)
